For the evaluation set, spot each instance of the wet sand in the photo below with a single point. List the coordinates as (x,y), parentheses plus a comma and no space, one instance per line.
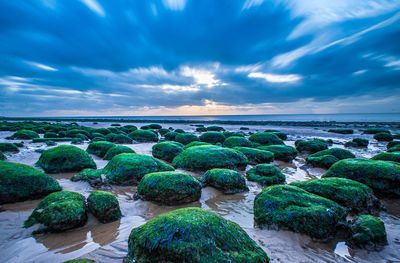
(108,242)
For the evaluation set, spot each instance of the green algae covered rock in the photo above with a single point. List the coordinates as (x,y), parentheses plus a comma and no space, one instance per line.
(20,182)
(2,156)
(104,206)
(383,137)
(281,152)
(324,161)
(170,188)
(115,150)
(207,157)
(228,134)
(368,232)
(170,136)
(354,196)
(265,138)
(266,174)
(312,146)
(143,136)
(395,148)
(192,235)
(337,152)
(357,142)
(226,180)
(122,139)
(60,211)
(375,130)
(25,135)
(382,176)
(290,207)
(388,156)
(129,168)
(212,137)
(236,141)
(92,176)
(186,138)
(99,148)
(196,143)
(8,147)
(256,156)
(215,128)
(65,158)
(389,145)
(167,150)
(342,131)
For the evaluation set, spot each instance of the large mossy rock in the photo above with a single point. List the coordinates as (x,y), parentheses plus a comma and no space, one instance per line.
(256,156)
(167,151)
(212,137)
(99,148)
(357,142)
(266,174)
(186,138)
(20,182)
(8,147)
(25,135)
(383,137)
(375,130)
(60,211)
(208,157)
(236,141)
(342,131)
(324,161)
(368,232)
(143,136)
(382,176)
(312,146)
(354,196)
(196,143)
(170,188)
(395,148)
(337,152)
(129,168)
(192,235)
(122,139)
(65,158)
(2,156)
(170,136)
(226,180)
(117,149)
(392,144)
(104,206)
(265,138)
(281,152)
(290,207)
(388,156)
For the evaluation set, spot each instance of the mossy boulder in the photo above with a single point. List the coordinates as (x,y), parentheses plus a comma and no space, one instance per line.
(167,150)
(354,196)
(342,131)
(186,138)
(215,128)
(104,206)
(383,137)
(60,211)
(395,148)
(357,142)
(208,157)
(99,148)
(170,136)
(388,156)
(170,188)
(281,152)
(236,141)
(388,146)
(103,131)
(281,135)
(312,146)
(2,156)
(382,176)
(226,180)
(368,232)
(212,137)
(290,207)
(196,143)
(266,174)
(129,168)
(20,182)
(179,130)
(375,130)
(265,138)
(143,136)
(92,176)
(228,134)
(192,235)
(122,139)
(50,135)
(151,126)
(337,152)
(73,132)
(201,129)
(25,135)
(65,158)
(8,147)
(256,156)
(163,131)
(324,161)
(115,150)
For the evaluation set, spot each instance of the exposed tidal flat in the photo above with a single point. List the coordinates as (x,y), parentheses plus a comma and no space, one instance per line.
(297,156)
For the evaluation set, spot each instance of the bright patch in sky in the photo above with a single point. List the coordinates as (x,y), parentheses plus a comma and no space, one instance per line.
(275,78)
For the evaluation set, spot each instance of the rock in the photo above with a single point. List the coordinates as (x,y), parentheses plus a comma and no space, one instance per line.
(228,134)
(143,136)
(170,136)
(8,147)
(388,156)
(395,148)
(215,128)
(212,137)
(324,161)
(104,206)
(154,126)
(122,139)
(368,232)
(337,152)
(236,141)
(196,143)
(256,156)
(357,142)
(266,174)
(311,146)
(167,151)
(383,137)
(115,150)
(186,138)
(99,148)
(226,180)
(342,131)
(25,135)
(265,138)
(2,156)
(375,131)
(92,176)
(281,152)
(388,146)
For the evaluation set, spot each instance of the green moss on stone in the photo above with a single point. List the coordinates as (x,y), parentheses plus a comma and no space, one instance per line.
(226,180)
(324,161)
(281,152)
(117,149)
(256,156)
(388,156)
(104,206)
(167,150)
(383,137)
(266,174)
(215,128)
(186,138)
(25,135)
(143,136)
(170,136)
(236,141)
(368,232)
(92,176)
(342,131)
(375,130)
(395,148)
(392,144)
(122,139)
(99,148)
(8,147)
(265,138)
(196,143)
(337,152)
(312,146)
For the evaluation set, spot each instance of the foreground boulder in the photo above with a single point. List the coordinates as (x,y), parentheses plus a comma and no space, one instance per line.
(281,152)
(256,156)
(382,176)
(290,207)
(129,168)
(192,235)
(60,211)
(311,146)
(226,180)
(170,188)
(65,158)
(207,157)
(388,156)
(99,148)
(115,150)
(368,232)
(104,206)
(20,182)
(265,138)
(167,150)
(354,196)
(266,174)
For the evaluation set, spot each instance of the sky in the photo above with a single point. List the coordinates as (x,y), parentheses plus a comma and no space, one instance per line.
(198,57)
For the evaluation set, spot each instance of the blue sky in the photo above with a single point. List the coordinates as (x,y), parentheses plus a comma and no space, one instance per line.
(191,57)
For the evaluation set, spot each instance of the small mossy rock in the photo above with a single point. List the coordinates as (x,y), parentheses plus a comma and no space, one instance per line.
(117,149)
(201,129)
(65,158)
(25,135)
(388,156)
(265,138)
(60,211)
(388,146)
(80,260)
(324,161)
(103,131)
(357,142)
(143,136)
(20,182)
(395,148)
(256,156)
(186,138)
(154,126)
(170,136)
(281,152)
(382,176)
(130,127)
(226,180)
(368,232)
(167,151)
(228,134)
(215,128)
(169,188)
(76,141)
(312,146)
(163,131)
(207,157)
(383,137)
(8,147)
(179,131)
(375,131)
(92,176)
(281,135)
(196,143)
(354,196)
(73,132)
(341,131)
(192,235)
(290,207)
(129,168)
(99,148)
(236,141)
(50,135)
(104,206)
(337,152)
(266,175)
(212,137)
(2,156)
(122,139)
